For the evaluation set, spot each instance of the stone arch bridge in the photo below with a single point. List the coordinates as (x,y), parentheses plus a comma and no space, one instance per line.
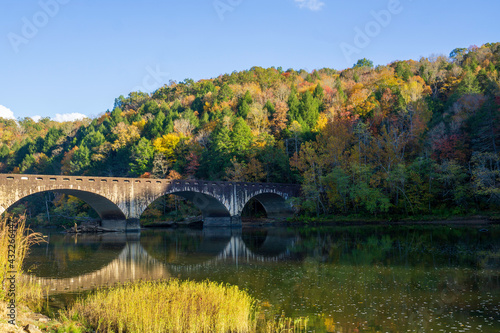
(121,201)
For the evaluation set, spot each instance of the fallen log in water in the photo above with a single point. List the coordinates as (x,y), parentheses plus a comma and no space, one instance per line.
(89,228)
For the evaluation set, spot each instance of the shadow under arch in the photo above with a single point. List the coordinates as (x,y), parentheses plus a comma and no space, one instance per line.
(105,208)
(268,242)
(184,247)
(274,205)
(209,206)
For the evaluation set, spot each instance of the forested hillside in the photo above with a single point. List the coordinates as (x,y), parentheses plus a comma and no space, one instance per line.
(412,137)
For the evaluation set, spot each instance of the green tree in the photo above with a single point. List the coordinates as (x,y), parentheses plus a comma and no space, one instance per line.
(340,91)
(225,93)
(241,137)
(363,63)
(28,162)
(244,105)
(51,138)
(156,127)
(269,106)
(4,151)
(469,84)
(403,70)
(293,106)
(309,109)
(80,161)
(141,157)
(94,139)
(319,92)
(116,116)
(458,54)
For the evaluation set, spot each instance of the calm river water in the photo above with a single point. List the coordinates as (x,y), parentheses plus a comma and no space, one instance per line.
(345,279)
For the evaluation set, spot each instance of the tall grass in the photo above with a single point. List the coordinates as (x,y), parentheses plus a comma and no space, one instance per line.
(286,325)
(26,292)
(167,306)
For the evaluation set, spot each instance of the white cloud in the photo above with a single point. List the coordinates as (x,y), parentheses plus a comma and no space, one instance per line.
(5,112)
(69,117)
(36,118)
(313,5)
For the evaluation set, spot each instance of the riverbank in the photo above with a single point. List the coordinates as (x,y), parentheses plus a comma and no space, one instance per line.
(353,220)
(28,321)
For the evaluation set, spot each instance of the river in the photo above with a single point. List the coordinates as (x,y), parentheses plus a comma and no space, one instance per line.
(384,278)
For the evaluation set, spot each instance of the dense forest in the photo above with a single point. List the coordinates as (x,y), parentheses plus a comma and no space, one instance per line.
(409,138)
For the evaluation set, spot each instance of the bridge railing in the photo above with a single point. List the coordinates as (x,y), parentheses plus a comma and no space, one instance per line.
(76,179)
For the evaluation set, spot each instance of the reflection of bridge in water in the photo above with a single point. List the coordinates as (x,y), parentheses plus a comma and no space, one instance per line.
(237,251)
(135,263)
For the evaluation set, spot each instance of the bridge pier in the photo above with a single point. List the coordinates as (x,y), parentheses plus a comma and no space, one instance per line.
(223,221)
(128,225)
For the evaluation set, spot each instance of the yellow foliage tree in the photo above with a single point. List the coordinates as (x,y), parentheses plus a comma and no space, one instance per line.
(126,135)
(166,145)
(414,89)
(139,124)
(322,121)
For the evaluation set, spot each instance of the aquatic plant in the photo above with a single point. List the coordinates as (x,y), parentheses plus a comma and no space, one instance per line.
(287,325)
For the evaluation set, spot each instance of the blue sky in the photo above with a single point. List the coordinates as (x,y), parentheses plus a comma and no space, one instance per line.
(67,58)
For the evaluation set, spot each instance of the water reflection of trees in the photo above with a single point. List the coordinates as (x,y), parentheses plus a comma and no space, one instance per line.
(377,278)
(408,246)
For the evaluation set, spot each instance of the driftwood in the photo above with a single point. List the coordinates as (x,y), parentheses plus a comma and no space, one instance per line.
(88,228)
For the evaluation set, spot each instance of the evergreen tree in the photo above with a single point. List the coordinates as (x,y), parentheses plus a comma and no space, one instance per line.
(141,157)
(225,93)
(293,106)
(244,105)
(319,92)
(80,161)
(241,137)
(269,106)
(156,127)
(309,109)
(51,139)
(469,84)
(363,63)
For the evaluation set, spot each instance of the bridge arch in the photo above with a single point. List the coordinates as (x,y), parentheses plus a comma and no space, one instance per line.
(274,204)
(209,206)
(105,208)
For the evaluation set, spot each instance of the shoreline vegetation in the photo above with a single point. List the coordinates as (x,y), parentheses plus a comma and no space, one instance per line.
(326,221)
(492,218)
